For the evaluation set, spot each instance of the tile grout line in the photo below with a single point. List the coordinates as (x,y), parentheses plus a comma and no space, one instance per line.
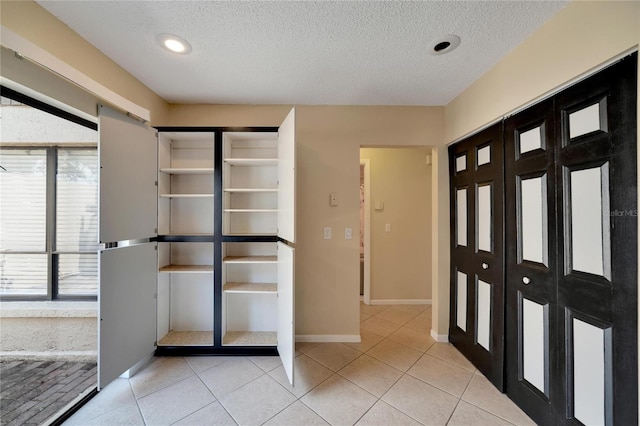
(460,399)
(207,388)
(404,373)
(136,400)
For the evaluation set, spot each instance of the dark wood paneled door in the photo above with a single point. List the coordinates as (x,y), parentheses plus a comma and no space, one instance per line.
(571,253)
(596,180)
(531,262)
(477,255)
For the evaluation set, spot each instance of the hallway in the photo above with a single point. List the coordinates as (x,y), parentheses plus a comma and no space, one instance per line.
(396,375)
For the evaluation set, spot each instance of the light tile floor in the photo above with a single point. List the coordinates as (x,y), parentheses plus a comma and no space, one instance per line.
(397,375)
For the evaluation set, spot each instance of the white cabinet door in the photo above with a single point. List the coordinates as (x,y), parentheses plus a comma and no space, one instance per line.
(286,308)
(127,304)
(287,178)
(128,172)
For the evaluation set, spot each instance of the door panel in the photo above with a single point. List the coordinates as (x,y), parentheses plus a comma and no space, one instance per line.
(286,308)
(590,344)
(127,304)
(571,211)
(532,376)
(128,172)
(477,280)
(535,344)
(596,177)
(287,178)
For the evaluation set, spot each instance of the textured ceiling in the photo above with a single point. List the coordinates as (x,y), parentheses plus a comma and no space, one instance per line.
(309,52)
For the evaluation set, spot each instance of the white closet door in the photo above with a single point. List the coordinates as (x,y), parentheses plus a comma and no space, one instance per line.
(127,327)
(287,178)
(128,172)
(286,308)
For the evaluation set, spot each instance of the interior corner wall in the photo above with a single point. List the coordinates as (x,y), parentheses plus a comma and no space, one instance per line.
(400,258)
(30,21)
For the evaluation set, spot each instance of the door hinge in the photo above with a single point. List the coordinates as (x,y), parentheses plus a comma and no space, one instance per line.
(155,343)
(155,295)
(156,183)
(155,230)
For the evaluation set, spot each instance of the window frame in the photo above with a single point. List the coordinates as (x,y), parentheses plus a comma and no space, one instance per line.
(52,150)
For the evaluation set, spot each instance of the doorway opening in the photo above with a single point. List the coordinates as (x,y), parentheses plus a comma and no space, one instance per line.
(48,259)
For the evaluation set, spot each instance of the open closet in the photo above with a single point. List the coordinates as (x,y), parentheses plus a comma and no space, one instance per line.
(197,227)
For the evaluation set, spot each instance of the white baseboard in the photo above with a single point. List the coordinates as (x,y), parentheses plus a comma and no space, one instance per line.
(137,367)
(343,338)
(440,338)
(400,301)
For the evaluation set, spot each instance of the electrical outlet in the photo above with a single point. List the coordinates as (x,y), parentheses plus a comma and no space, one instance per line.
(348,234)
(333,199)
(327,233)
(387,227)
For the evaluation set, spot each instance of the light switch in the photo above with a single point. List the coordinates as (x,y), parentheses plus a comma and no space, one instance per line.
(327,233)
(387,227)
(348,234)
(379,205)
(333,199)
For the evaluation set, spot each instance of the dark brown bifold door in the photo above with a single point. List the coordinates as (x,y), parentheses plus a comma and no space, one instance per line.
(531,262)
(596,180)
(571,250)
(477,256)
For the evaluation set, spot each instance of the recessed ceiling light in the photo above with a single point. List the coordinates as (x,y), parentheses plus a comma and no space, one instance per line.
(174,43)
(444,44)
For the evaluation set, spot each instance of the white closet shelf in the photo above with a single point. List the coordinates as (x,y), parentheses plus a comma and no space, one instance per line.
(250,259)
(250,338)
(251,210)
(187,170)
(186,195)
(250,190)
(251,161)
(251,287)
(187,338)
(187,269)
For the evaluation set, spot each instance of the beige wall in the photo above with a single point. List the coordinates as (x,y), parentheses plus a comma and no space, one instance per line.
(400,259)
(329,140)
(29,20)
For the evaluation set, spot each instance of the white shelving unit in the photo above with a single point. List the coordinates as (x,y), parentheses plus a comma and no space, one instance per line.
(250,183)
(185,183)
(185,269)
(215,273)
(250,294)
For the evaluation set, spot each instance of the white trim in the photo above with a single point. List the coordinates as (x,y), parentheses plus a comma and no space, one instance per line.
(323,338)
(137,367)
(548,94)
(401,302)
(36,54)
(440,338)
(367,229)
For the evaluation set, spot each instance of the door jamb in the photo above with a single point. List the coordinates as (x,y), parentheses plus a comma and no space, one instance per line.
(367,229)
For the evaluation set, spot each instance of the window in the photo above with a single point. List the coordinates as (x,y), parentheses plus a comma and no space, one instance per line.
(48,205)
